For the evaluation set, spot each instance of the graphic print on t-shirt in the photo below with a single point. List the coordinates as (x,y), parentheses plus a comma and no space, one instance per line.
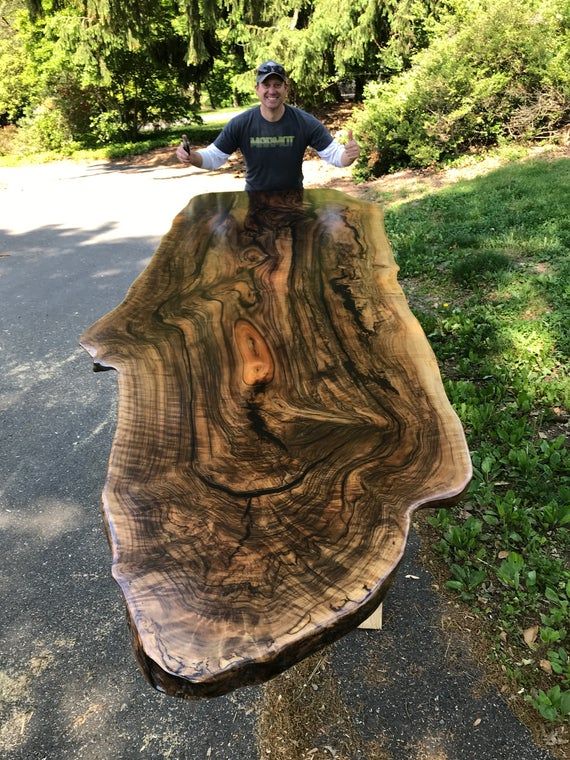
(281,141)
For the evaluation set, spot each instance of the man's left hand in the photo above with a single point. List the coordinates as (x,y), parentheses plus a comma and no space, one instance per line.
(351,150)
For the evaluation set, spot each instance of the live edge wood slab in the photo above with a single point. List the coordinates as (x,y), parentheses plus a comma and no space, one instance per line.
(281,416)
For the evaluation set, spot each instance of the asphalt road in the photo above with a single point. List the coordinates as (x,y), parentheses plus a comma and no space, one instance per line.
(72,239)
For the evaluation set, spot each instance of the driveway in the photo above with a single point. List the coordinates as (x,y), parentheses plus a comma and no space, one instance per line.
(72,239)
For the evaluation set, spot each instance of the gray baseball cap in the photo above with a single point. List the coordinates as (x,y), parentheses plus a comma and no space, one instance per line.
(267,69)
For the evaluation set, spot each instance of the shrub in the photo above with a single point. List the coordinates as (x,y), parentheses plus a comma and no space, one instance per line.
(493,69)
(225,88)
(45,129)
(106,126)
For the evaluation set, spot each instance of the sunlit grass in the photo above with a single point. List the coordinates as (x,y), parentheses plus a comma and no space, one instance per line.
(401,187)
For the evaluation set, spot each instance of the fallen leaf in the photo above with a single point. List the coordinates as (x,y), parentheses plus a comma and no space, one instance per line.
(546,666)
(503,555)
(530,634)
(503,635)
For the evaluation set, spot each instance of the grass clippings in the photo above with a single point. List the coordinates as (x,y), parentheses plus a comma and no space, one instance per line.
(303,716)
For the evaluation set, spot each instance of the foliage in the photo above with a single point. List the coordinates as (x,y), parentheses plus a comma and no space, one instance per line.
(225,84)
(45,128)
(109,68)
(477,265)
(492,70)
(324,42)
(500,333)
(336,40)
(480,70)
(198,134)
(92,80)
(12,65)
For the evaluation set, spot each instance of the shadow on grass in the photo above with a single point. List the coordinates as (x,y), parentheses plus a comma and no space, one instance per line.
(499,241)
(521,210)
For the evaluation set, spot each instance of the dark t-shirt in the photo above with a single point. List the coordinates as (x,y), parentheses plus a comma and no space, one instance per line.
(273,151)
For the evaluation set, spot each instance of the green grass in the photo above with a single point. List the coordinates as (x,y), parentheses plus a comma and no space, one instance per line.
(486,263)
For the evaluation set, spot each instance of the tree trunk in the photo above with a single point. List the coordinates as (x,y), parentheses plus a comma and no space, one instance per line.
(281,416)
(359,84)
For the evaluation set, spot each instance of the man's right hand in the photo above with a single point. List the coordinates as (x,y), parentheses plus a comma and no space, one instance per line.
(183,155)
(186,155)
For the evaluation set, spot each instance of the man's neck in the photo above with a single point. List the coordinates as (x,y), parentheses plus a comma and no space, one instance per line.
(272,114)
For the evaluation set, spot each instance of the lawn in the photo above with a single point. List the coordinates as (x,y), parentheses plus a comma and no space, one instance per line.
(485,263)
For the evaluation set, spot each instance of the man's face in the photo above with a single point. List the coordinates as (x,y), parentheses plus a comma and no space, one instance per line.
(272,92)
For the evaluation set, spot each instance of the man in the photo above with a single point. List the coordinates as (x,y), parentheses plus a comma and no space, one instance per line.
(272,137)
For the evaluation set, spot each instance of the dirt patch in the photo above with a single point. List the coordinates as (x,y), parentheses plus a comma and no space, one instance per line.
(558,426)
(432,748)
(156,157)
(13,729)
(15,709)
(304,717)
(404,186)
(413,184)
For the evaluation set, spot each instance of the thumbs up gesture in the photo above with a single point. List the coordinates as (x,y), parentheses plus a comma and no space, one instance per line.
(351,150)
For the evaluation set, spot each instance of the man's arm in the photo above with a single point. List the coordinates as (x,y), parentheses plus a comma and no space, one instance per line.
(218,152)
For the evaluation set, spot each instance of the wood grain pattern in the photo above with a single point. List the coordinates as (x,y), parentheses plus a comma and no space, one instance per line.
(281,416)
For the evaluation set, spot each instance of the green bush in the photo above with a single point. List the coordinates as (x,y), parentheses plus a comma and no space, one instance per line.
(493,70)
(7,139)
(45,129)
(225,88)
(69,80)
(106,126)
